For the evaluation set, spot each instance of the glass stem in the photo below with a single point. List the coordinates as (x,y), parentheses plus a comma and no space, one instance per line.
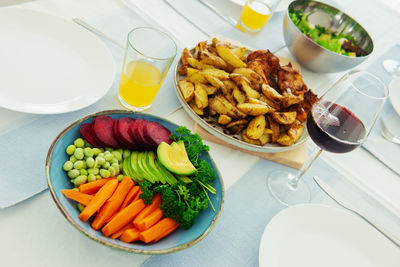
(295,180)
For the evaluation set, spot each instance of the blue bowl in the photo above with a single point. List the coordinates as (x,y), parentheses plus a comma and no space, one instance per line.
(58,180)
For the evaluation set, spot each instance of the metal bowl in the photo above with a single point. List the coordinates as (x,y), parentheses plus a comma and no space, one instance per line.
(315,57)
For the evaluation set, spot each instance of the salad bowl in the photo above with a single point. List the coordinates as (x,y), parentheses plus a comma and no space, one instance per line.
(57,180)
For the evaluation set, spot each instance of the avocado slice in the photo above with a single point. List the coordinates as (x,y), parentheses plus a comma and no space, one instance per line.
(169,177)
(174,158)
(142,169)
(151,165)
(133,168)
(125,169)
(146,168)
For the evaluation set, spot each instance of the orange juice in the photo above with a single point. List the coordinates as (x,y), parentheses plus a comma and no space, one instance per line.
(255,15)
(139,84)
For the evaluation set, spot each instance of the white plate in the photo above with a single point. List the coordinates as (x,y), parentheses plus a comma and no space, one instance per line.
(49,65)
(394,94)
(316,235)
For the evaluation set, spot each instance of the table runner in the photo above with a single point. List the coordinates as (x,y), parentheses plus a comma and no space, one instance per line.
(376,144)
(25,141)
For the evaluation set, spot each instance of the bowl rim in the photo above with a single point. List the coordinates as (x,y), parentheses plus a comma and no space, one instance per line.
(336,9)
(133,250)
(225,137)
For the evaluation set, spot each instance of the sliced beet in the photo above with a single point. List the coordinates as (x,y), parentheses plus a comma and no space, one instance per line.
(86,132)
(136,132)
(102,127)
(121,132)
(155,133)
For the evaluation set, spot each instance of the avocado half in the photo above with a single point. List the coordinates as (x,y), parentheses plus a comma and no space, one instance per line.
(175,158)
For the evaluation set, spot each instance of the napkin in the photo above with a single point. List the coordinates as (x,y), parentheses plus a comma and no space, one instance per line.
(376,144)
(25,140)
(248,208)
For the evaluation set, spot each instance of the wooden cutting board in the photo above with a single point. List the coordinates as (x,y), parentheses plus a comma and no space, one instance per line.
(294,158)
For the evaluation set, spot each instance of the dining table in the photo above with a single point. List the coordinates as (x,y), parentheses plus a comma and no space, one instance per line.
(34,233)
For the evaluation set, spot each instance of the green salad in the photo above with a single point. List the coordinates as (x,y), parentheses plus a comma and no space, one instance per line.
(337,42)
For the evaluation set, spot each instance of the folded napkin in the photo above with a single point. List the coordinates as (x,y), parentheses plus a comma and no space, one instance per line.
(376,144)
(25,139)
(248,208)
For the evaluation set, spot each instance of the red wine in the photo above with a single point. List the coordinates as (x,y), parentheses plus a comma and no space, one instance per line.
(335,128)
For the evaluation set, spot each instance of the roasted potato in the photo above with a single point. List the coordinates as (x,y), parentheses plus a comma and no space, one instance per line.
(239,96)
(220,105)
(227,55)
(271,93)
(296,132)
(220,74)
(224,119)
(187,90)
(214,81)
(249,140)
(199,48)
(195,108)
(240,52)
(285,140)
(209,88)
(200,96)
(256,127)
(284,117)
(185,56)
(198,65)
(265,138)
(250,92)
(250,74)
(255,109)
(207,58)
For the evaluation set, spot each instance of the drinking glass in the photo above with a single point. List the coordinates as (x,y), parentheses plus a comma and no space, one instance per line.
(339,122)
(256,13)
(148,56)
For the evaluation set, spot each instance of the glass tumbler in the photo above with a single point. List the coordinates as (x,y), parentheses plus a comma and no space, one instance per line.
(256,13)
(148,56)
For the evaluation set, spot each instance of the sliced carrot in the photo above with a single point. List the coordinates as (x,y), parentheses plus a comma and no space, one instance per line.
(157,230)
(93,187)
(149,209)
(82,198)
(164,234)
(150,219)
(99,199)
(120,231)
(138,195)
(113,203)
(129,198)
(123,217)
(130,235)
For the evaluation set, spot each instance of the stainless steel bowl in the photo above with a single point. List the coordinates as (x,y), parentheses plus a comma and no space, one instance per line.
(315,57)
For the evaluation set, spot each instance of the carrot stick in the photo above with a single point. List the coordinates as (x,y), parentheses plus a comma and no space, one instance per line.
(118,233)
(130,235)
(123,217)
(99,199)
(164,234)
(82,198)
(129,198)
(149,209)
(150,219)
(93,187)
(138,195)
(113,203)
(157,230)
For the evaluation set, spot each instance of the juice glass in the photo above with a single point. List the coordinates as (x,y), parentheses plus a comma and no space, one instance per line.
(148,56)
(256,13)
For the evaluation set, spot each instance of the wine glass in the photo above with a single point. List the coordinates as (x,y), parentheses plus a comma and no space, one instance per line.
(339,122)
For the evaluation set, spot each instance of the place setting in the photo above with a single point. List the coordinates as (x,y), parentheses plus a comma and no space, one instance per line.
(123,125)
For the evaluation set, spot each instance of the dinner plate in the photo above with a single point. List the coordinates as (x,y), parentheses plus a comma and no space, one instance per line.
(210,124)
(49,65)
(394,94)
(311,235)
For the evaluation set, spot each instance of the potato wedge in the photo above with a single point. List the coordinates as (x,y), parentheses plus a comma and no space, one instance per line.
(267,131)
(250,92)
(255,109)
(230,85)
(227,55)
(194,75)
(224,119)
(207,58)
(239,96)
(285,140)
(209,89)
(240,52)
(271,93)
(198,65)
(196,109)
(274,128)
(249,140)
(187,90)
(185,56)
(285,118)
(182,69)
(199,48)
(236,123)
(200,96)
(250,74)
(214,81)
(265,138)
(220,105)
(217,73)
(296,131)
(255,128)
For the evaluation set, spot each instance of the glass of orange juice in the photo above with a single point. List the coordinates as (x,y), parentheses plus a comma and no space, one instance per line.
(256,13)
(148,56)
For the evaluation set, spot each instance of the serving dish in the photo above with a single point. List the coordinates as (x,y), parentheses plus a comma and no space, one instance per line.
(313,56)
(57,180)
(210,124)
(309,235)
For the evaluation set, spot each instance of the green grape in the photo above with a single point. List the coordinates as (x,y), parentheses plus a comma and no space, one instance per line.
(72,159)
(88,152)
(93,171)
(108,157)
(70,149)
(68,165)
(79,164)
(117,155)
(106,165)
(90,162)
(116,167)
(79,153)
(112,171)
(114,160)
(83,172)
(100,161)
(91,177)
(101,155)
(81,179)
(105,173)
(98,177)
(96,151)
(79,143)
(120,177)
(73,173)
(120,150)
